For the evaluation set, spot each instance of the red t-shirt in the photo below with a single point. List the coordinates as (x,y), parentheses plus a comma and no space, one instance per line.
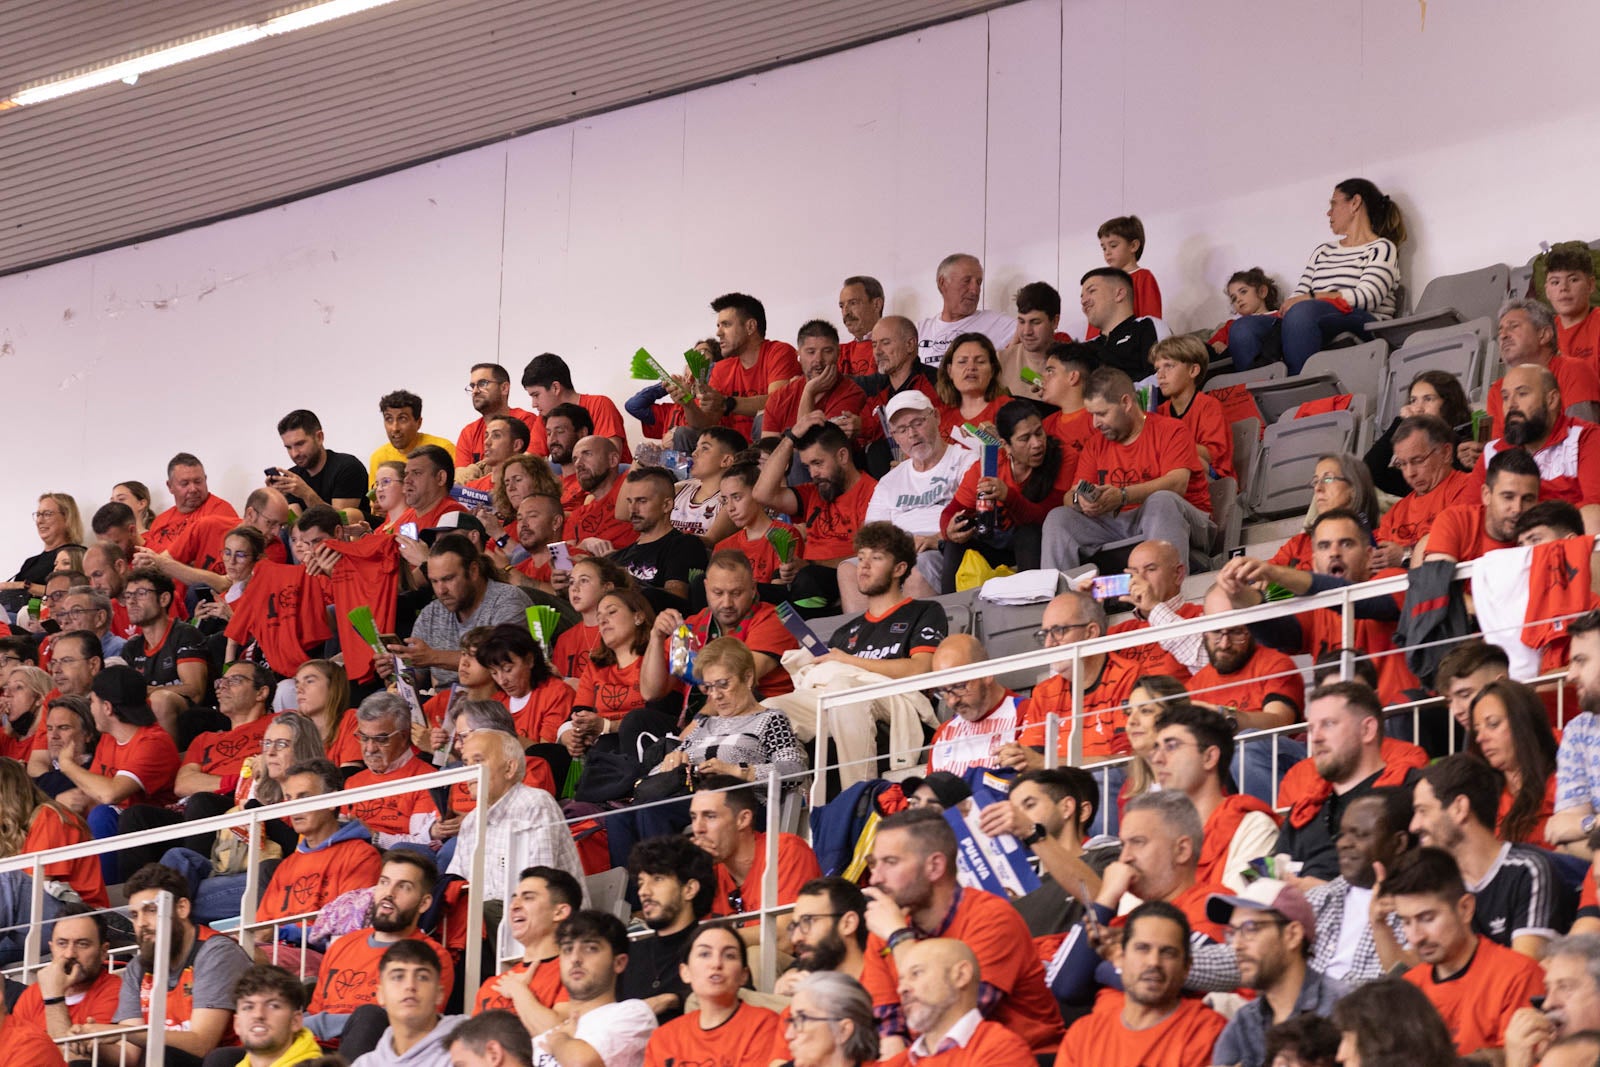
(1322,631)
(223,752)
(1251,686)
(29,1044)
(1412,516)
(1563,472)
(741,1040)
(48,830)
(951,419)
(759,551)
(991,1045)
(1164,444)
(776,362)
(1021,510)
(430,518)
(547,707)
(572,649)
(845,398)
(759,631)
(282,613)
(613,691)
(1459,532)
(200,543)
(856,357)
(391,815)
(831,526)
(1105,710)
(607,422)
(306,880)
(469,443)
(149,758)
(1151,658)
(797,865)
(348,977)
(1574,377)
(1581,342)
(1477,1002)
(1183,1039)
(1295,552)
(171,524)
(97,1004)
(1072,430)
(597,517)
(1209,425)
(998,936)
(545,985)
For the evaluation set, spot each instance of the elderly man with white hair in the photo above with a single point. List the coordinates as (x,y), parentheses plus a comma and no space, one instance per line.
(517,812)
(960,282)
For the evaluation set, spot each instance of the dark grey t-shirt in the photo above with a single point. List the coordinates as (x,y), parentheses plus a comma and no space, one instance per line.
(206,980)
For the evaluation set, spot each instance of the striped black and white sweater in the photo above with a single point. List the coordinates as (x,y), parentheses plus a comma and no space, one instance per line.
(1365,275)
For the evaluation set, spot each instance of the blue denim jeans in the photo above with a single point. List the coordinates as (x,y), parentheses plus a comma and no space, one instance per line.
(1307,327)
(16,898)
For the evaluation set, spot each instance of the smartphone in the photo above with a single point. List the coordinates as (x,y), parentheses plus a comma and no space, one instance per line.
(408,529)
(388,639)
(560,557)
(1110,586)
(271,472)
(204,594)
(50,626)
(1087,489)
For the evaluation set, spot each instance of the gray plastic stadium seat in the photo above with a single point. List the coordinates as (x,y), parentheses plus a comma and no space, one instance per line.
(1264,373)
(608,891)
(1279,398)
(1458,350)
(1359,369)
(1289,458)
(1521,280)
(1446,300)
(1246,458)
(1005,630)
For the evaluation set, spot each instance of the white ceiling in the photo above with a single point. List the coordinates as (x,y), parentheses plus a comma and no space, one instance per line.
(351,98)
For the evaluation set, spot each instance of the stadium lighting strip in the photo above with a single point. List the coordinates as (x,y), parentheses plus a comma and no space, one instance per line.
(187,50)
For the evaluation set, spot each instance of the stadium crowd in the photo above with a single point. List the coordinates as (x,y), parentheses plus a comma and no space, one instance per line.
(615,622)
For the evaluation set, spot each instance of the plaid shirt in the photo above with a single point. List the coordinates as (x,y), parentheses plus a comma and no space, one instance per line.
(534,819)
(1327,906)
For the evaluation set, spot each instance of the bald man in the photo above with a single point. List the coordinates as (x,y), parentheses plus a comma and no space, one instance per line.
(939,995)
(894,351)
(1566,452)
(593,524)
(983,714)
(1155,589)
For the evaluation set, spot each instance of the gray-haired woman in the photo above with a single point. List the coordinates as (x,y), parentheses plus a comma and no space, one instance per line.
(830,1023)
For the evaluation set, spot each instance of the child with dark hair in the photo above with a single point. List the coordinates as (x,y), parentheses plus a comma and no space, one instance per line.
(1249,292)
(1569,290)
(1122,245)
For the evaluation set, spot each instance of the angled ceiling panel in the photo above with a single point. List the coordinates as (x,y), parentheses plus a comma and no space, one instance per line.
(350,98)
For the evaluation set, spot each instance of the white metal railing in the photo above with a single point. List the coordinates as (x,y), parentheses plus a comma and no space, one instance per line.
(1342,599)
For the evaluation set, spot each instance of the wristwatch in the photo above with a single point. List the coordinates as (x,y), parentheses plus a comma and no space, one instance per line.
(1039,834)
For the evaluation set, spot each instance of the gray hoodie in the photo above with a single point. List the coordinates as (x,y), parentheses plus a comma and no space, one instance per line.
(429,1052)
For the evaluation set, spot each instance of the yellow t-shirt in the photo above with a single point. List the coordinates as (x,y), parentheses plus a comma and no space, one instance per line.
(388,453)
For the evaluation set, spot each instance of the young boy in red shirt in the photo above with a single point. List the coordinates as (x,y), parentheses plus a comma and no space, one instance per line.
(1180,364)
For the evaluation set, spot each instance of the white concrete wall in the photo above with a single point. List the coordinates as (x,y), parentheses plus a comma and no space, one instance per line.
(1013,135)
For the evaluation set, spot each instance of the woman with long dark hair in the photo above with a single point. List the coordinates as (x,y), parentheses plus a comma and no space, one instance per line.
(1391,1023)
(1511,733)
(969,384)
(1002,515)
(1348,282)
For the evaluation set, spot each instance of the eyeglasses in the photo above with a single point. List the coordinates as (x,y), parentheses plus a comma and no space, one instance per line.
(229,681)
(55,598)
(1231,635)
(10,661)
(1328,479)
(376,739)
(802,923)
(721,685)
(71,613)
(130,595)
(480,385)
(947,691)
(37,515)
(1249,929)
(1057,633)
(67,661)
(1172,744)
(1412,464)
(280,745)
(240,556)
(799,1020)
(384,483)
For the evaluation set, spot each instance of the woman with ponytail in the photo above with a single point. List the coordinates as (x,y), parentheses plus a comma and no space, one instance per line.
(1348,282)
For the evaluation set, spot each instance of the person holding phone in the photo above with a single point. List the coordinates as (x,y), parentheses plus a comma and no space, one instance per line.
(1000,515)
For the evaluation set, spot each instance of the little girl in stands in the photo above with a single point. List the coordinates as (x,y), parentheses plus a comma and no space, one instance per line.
(1249,292)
